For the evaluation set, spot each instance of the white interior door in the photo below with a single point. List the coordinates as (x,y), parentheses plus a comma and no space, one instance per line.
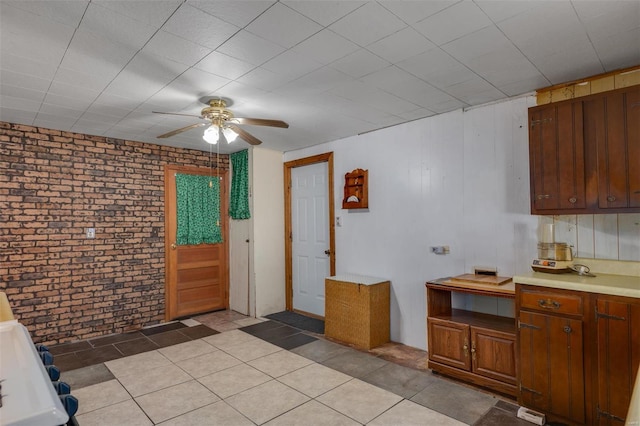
(310,236)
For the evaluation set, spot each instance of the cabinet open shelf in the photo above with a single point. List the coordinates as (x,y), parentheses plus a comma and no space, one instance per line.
(480,320)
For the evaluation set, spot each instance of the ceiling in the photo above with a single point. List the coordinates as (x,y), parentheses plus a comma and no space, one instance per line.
(331,69)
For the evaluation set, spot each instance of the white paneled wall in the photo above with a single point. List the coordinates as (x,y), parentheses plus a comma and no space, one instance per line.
(459,179)
(602,236)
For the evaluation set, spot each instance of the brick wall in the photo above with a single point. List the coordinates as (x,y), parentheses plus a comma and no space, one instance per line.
(53,185)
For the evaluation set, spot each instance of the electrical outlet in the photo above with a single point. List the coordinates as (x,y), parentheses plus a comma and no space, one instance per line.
(440,249)
(338,221)
(91,232)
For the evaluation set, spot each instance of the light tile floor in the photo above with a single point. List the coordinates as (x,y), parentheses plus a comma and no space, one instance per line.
(236,378)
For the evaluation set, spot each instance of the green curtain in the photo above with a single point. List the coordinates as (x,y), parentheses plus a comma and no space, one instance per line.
(239,198)
(198,199)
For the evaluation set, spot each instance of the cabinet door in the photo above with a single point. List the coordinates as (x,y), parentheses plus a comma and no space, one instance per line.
(556,155)
(618,357)
(611,123)
(449,343)
(551,365)
(633,135)
(493,354)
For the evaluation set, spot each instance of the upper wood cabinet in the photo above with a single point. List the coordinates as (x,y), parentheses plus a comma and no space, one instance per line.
(556,155)
(584,154)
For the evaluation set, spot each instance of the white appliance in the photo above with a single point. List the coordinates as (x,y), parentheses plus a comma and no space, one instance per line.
(28,397)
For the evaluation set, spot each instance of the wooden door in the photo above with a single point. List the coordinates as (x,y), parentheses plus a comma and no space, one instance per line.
(618,357)
(493,354)
(289,167)
(449,343)
(551,365)
(556,155)
(196,276)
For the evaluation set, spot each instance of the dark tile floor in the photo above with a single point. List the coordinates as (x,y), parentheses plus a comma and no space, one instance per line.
(71,356)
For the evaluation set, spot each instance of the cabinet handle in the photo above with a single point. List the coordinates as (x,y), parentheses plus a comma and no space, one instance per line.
(465,349)
(543,196)
(567,329)
(473,352)
(611,198)
(548,304)
(573,200)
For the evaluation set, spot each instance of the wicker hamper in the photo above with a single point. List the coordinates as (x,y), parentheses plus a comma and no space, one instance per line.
(357,310)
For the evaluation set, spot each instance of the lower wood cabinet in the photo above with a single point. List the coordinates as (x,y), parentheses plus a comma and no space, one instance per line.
(470,346)
(617,357)
(579,354)
(552,365)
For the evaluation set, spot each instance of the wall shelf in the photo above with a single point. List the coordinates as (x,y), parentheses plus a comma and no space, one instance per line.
(356,190)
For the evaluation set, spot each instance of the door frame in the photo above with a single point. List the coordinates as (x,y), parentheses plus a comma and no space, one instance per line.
(171,221)
(288,231)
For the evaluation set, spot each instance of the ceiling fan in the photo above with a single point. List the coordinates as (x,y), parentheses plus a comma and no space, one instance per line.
(222,123)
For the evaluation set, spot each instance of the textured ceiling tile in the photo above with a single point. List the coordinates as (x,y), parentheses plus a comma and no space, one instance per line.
(283,26)
(414,11)
(324,12)
(201,28)
(90,53)
(250,48)
(401,45)
(24,80)
(65,12)
(116,27)
(292,64)
(360,63)
(263,79)
(456,21)
(21,92)
(224,65)
(175,48)
(368,24)
(22,65)
(499,10)
(326,46)
(619,51)
(153,13)
(239,13)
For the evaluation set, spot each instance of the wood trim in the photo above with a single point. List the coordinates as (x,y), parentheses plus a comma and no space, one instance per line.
(588,79)
(320,158)
(170,223)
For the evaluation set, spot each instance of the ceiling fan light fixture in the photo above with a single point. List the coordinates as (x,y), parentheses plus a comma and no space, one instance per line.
(229,134)
(211,134)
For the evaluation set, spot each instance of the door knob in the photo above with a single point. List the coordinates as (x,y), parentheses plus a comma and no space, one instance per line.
(327,252)
(173,246)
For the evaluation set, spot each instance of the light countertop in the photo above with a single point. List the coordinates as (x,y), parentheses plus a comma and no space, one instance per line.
(615,285)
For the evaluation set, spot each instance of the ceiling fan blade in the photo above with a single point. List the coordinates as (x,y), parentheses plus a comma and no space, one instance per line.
(245,135)
(177,113)
(182,129)
(260,122)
